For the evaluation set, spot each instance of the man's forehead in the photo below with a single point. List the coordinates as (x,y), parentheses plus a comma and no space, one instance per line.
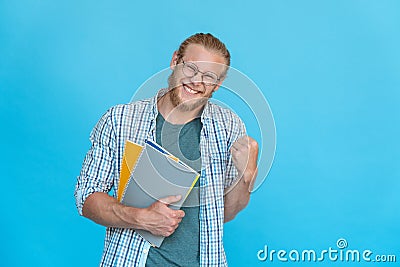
(198,53)
(209,66)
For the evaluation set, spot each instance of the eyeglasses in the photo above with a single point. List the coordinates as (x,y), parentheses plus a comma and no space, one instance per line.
(208,78)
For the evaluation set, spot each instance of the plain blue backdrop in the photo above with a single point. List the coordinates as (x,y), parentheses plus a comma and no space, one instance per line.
(329,69)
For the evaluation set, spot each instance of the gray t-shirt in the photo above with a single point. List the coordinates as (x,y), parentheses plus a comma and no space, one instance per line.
(183,246)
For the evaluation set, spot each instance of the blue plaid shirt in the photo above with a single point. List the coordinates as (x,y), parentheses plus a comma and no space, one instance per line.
(137,122)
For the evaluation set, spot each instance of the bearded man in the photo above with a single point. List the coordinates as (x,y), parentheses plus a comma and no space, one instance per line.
(210,139)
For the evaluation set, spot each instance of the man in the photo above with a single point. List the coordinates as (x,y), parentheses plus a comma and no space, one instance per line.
(210,138)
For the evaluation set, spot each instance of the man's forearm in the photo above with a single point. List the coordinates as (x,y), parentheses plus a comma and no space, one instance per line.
(158,218)
(244,155)
(106,210)
(236,199)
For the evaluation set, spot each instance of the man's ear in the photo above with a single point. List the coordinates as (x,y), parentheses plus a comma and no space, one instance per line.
(174,60)
(217,87)
(219,84)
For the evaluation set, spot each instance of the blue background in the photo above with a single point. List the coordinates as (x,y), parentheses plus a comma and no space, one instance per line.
(329,69)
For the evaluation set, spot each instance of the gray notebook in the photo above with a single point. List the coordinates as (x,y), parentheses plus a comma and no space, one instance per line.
(155,176)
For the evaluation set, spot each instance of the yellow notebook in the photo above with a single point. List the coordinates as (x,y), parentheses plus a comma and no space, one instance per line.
(131,155)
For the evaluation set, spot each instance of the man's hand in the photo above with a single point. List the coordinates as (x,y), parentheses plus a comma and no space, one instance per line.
(159,219)
(244,155)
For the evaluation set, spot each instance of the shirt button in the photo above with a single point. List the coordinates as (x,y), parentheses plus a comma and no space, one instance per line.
(145,251)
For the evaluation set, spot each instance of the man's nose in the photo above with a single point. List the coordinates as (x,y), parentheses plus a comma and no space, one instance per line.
(197,79)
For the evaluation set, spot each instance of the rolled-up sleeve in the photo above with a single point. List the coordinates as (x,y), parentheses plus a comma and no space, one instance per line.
(238,130)
(98,167)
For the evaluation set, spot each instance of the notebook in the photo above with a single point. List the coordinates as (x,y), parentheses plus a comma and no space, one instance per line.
(154,173)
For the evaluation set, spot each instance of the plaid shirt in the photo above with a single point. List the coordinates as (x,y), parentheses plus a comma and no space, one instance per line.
(137,122)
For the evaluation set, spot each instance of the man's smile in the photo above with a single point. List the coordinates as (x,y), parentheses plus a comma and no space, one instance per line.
(190,90)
